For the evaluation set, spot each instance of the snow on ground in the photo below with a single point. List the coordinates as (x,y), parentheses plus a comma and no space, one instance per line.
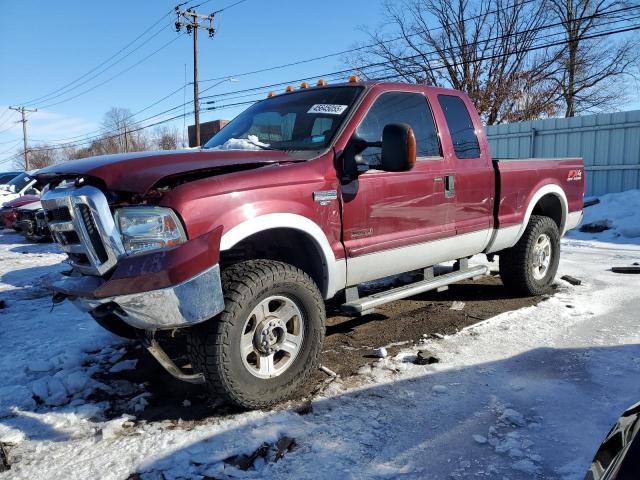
(620,213)
(527,394)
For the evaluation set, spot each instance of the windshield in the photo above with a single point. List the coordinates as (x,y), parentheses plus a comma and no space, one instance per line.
(305,120)
(20,181)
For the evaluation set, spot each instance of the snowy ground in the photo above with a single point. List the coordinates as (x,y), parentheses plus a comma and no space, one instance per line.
(527,394)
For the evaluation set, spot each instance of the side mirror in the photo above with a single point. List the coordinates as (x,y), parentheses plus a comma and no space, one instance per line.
(398,148)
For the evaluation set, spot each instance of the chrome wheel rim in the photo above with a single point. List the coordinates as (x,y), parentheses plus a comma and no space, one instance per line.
(541,256)
(272,337)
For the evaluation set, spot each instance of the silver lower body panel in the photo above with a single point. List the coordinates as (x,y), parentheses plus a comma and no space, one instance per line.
(189,303)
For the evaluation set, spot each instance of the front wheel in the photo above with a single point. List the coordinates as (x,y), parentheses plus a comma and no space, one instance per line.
(529,267)
(268,339)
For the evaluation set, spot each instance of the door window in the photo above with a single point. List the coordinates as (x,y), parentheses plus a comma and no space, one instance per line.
(400,107)
(461,129)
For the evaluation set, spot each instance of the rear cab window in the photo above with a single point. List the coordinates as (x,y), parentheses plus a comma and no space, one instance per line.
(400,107)
(461,129)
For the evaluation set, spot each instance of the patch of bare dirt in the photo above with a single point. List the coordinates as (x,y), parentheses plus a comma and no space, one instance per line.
(350,344)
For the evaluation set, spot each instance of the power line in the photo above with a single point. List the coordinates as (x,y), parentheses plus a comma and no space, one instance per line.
(256,89)
(114,76)
(98,73)
(362,47)
(43,97)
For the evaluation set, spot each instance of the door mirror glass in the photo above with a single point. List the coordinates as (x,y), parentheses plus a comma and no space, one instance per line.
(398,148)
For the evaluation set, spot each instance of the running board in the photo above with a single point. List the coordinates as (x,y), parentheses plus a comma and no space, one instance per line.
(366,305)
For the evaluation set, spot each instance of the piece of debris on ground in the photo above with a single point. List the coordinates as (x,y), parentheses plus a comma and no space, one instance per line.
(625,269)
(457,305)
(5,464)
(270,452)
(571,280)
(598,226)
(382,352)
(425,357)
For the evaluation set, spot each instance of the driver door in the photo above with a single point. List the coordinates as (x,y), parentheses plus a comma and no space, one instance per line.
(391,218)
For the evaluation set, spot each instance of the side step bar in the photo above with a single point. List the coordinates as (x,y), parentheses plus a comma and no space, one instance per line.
(365,305)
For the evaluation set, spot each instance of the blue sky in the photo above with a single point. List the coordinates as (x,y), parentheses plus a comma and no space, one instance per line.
(64,40)
(44,45)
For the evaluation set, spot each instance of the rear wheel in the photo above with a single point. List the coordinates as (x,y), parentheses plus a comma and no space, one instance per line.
(529,267)
(267,341)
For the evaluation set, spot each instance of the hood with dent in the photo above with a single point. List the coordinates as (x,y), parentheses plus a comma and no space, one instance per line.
(138,172)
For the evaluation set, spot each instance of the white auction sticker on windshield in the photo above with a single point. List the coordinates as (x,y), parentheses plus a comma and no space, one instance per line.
(328,109)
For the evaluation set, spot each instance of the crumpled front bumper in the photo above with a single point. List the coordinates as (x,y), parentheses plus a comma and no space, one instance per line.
(188,303)
(159,290)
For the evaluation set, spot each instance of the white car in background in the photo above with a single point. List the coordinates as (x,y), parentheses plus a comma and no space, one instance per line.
(23,184)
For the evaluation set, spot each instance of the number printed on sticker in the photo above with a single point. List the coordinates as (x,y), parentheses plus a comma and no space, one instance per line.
(327,108)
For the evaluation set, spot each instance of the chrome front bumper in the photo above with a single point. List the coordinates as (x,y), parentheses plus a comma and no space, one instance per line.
(182,305)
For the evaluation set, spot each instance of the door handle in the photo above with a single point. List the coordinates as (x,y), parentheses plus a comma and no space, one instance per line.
(449,186)
(437,180)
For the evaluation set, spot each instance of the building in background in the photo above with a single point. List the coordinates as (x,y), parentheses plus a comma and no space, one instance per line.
(207,130)
(609,143)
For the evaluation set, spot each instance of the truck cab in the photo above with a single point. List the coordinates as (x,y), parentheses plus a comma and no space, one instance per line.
(303,197)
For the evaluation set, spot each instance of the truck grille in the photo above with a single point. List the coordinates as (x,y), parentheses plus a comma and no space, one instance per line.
(81,222)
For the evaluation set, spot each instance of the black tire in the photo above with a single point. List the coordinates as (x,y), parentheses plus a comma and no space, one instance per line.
(214,346)
(517,263)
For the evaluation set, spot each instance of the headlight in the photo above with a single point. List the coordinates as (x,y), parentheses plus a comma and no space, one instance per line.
(149,228)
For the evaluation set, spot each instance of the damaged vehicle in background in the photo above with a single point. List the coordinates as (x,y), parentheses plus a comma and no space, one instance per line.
(23,184)
(301,198)
(8,212)
(31,222)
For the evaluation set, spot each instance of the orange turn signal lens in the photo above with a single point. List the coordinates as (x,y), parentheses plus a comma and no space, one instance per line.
(354,79)
(271,94)
(289,89)
(304,85)
(321,83)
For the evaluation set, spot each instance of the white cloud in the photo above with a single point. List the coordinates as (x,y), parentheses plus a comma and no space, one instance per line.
(48,127)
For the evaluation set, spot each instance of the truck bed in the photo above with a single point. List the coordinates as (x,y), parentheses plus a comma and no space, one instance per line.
(517,180)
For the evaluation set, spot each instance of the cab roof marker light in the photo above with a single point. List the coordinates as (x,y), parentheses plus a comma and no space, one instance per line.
(354,79)
(321,83)
(304,85)
(289,89)
(271,94)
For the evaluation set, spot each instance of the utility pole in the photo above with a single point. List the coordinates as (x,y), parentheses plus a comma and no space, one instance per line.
(23,111)
(192,21)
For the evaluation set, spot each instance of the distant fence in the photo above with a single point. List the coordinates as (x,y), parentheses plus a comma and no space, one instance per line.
(608,143)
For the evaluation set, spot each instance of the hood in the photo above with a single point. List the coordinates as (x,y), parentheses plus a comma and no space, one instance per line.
(138,172)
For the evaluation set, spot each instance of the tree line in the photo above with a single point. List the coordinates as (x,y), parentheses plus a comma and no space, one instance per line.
(121,134)
(517,59)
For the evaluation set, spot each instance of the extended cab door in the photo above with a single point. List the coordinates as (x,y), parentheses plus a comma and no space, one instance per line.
(391,218)
(471,183)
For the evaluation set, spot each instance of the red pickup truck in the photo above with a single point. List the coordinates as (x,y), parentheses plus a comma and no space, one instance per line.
(304,196)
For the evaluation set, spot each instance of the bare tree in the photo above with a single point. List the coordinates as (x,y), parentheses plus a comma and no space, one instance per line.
(590,70)
(122,134)
(165,138)
(39,157)
(482,48)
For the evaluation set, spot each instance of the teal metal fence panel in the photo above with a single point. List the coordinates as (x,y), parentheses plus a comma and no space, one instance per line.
(609,144)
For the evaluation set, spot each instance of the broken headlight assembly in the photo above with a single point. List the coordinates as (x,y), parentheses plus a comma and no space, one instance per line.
(145,229)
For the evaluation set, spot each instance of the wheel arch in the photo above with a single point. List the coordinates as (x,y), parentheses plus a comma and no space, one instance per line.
(550,201)
(312,254)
